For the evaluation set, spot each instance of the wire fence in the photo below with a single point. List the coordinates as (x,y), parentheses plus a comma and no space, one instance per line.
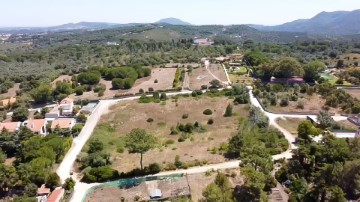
(132,182)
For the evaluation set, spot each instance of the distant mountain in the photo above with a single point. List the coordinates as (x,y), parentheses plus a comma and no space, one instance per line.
(172,21)
(325,23)
(65,27)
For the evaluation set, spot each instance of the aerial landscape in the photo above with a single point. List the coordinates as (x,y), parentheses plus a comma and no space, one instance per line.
(180,101)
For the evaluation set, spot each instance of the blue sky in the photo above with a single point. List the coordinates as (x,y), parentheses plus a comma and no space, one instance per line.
(268,12)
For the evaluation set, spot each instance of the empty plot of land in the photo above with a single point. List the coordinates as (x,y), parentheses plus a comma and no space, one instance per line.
(198,77)
(290,124)
(353,92)
(163,76)
(11,92)
(129,115)
(312,105)
(218,71)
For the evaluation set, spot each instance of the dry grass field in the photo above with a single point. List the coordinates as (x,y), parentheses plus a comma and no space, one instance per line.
(129,115)
(11,92)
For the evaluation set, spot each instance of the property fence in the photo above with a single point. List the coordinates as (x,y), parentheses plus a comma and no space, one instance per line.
(131,182)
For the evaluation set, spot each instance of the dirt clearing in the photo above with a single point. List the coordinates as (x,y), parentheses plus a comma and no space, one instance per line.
(129,115)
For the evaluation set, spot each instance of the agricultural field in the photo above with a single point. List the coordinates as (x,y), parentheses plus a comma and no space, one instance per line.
(158,119)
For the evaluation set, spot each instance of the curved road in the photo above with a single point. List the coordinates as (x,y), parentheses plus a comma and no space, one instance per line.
(80,188)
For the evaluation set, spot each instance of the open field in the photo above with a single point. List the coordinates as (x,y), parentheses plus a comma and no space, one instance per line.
(198,77)
(290,124)
(11,92)
(129,115)
(312,105)
(164,76)
(218,71)
(195,182)
(353,92)
(332,79)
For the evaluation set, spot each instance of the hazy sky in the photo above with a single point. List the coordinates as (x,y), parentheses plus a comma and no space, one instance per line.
(268,12)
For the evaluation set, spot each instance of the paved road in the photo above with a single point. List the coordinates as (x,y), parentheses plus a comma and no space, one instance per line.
(81,188)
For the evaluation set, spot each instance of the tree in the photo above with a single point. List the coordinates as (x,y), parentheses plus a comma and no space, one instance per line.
(139,141)
(69,184)
(2,156)
(228,111)
(215,83)
(52,181)
(254,185)
(31,189)
(89,78)
(255,58)
(117,83)
(325,119)
(95,146)
(258,118)
(220,190)
(42,94)
(257,158)
(312,70)
(20,114)
(288,67)
(307,129)
(163,97)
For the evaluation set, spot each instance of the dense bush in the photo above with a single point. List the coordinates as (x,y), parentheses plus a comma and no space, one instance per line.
(207,112)
(100,174)
(90,78)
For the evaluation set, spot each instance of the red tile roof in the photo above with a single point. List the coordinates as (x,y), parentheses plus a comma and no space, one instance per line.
(36,124)
(62,123)
(56,195)
(10,126)
(43,190)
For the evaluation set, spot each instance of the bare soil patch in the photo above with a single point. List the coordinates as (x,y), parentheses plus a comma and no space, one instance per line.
(129,115)
(198,77)
(164,76)
(353,92)
(11,92)
(218,71)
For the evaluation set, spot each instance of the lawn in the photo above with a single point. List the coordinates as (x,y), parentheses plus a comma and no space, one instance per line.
(290,124)
(130,114)
(332,79)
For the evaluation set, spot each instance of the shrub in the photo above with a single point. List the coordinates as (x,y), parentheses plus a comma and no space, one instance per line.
(300,105)
(79,90)
(156,81)
(150,120)
(294,97)
(185,116)
(141,90)
(340,81)
(204,87)
(100,174)
(228,111)
(81,118)
(168,142)
(181,139)
(128,83)
(117,83)
(163,97)
(284,102)
(207,112)
(151,89)
(210,121)
(153,168)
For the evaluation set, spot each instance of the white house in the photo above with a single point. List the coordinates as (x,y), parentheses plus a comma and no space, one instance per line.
(67,106)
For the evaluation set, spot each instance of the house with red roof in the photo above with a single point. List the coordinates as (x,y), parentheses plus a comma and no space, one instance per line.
(36,125)
(63,123)
(10,126)
(56,196)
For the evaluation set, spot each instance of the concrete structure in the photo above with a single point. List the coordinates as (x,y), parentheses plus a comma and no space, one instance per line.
(67,106)
(203,42)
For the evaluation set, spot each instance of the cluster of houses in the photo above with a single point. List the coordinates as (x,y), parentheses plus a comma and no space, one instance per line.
(45,195)
(58,117)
